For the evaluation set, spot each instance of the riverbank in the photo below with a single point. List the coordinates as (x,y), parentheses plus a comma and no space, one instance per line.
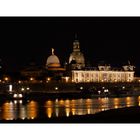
(122,115)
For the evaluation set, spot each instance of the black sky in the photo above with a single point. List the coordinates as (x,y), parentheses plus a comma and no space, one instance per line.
(112,39)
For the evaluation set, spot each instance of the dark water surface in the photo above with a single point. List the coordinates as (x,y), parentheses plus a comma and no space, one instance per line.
(33,109)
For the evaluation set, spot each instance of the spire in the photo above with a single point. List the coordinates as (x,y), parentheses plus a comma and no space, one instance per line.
(52,51)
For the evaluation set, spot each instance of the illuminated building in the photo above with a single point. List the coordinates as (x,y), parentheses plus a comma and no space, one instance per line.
(53,61)
(102,75)
(76,71)
(76,59)
(54,69)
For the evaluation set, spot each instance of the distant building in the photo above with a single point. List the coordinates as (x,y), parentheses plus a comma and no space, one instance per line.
(53,63)
(76,59)
(104,74)
(76,71)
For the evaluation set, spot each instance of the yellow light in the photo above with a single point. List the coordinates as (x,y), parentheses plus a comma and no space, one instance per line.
(49,112)
(56,88)
(48,78)
(6,78)
(73,110)
(28,88)
(67,79)
(67,112)
(31,79)
(22,89)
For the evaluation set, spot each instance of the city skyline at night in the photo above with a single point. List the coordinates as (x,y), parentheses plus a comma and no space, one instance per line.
(26,40)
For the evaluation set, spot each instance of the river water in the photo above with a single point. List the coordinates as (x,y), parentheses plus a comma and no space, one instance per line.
(31,109)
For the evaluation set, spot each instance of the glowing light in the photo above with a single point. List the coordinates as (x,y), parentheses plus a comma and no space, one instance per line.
(32,110)
(81,88)
(73,110)
(22,89)
(31,79)
(67,79)
(61,102)
(106,90)
(56,88)
(20,101)
(10,88)
(67,112)
(48,78)
(28,88)
(6,78)
(19,81)
(15,101)
(15,95)
(49,112)
(128,101)
(49,103)
(20,95)
(88,111)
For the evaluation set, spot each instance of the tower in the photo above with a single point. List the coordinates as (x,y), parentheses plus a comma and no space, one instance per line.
(76,59)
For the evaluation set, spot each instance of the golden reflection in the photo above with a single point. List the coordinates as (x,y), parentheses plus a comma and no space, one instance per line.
(22,112)
(128,101)
(88,110)
(104,100)
(56,103)
(116,103)
(49,103)
(138,100)
(67,111)
(80,111)
(32,110)
(103,109)
(73,110)
(80,100)
(88,105)
(8,111)
(88,101)
(57,112)
(67,103)
(61,102)
(73,107)
(49,112)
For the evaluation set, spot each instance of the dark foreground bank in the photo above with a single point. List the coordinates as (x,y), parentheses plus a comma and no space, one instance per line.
(123,115)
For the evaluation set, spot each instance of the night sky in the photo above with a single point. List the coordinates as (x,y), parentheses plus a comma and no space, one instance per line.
(114,40)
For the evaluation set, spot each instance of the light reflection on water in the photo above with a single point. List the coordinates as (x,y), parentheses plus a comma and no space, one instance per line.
(12,110)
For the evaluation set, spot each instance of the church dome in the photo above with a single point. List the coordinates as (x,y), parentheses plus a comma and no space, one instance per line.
(77,56)
(53,60)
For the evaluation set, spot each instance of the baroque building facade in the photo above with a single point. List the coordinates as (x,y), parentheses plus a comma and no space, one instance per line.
(104,73)
(76,59)
(102,76)
(76,70)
